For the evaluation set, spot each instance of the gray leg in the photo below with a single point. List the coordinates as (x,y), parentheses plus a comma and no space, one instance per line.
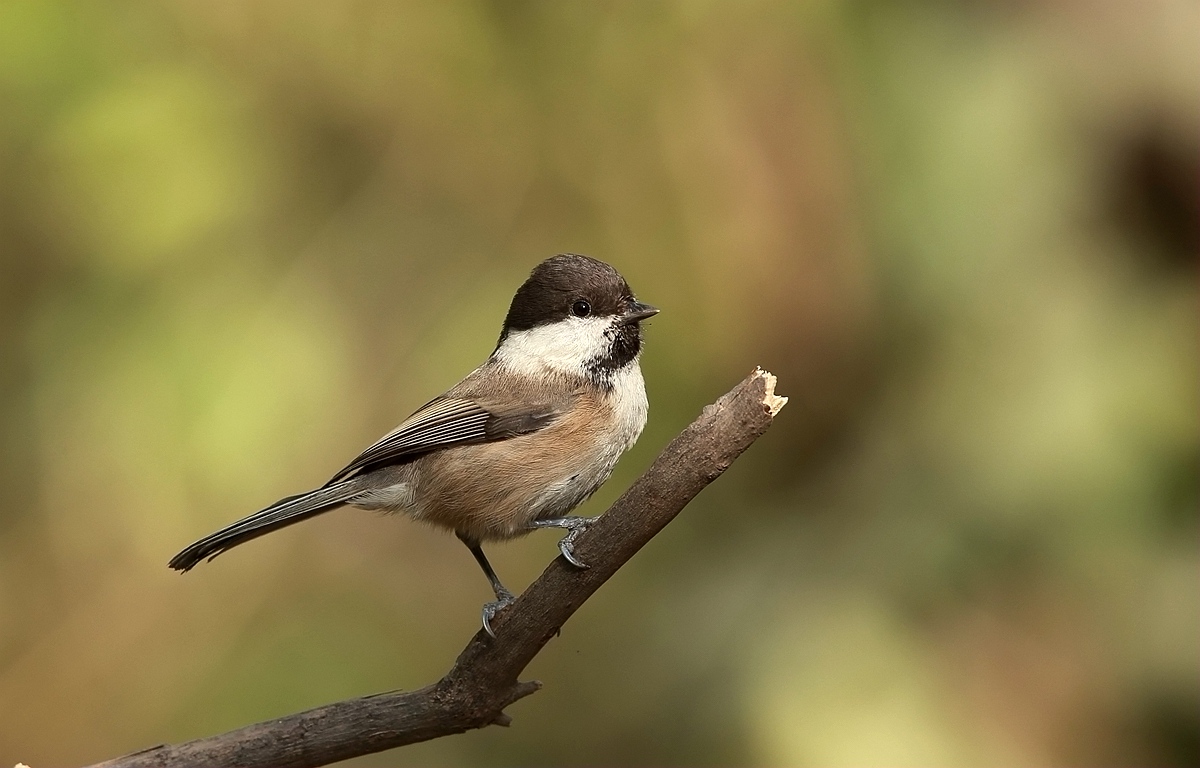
(503,596)
(574,526)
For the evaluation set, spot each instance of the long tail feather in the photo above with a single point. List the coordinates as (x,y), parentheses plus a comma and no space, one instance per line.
(282,513)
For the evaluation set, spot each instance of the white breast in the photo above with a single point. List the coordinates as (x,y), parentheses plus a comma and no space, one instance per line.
(630,407)
(630,404)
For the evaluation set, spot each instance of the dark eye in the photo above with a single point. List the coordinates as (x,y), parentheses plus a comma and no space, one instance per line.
(581,308)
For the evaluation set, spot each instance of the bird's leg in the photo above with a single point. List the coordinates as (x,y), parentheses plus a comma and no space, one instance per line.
(574,526)
(503,596)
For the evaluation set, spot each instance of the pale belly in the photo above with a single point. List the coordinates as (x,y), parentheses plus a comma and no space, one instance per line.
(495,490)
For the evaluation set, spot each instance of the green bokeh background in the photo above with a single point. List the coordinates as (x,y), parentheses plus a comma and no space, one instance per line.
(239,241)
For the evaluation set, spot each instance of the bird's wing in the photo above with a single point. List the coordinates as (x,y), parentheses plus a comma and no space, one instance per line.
(448,421)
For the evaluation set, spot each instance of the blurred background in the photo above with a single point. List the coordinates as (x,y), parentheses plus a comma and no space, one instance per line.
(239,241)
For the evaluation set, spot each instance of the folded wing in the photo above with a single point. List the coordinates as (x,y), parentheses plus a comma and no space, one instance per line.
(444,422)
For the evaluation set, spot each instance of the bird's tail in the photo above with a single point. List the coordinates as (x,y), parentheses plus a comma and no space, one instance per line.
(282,513)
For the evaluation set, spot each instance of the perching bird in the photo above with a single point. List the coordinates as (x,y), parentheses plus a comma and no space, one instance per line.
(516,445)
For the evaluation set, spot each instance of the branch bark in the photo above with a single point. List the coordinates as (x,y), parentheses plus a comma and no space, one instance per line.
(483,681)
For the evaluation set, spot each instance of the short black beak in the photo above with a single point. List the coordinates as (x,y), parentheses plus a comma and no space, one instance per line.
(638,312)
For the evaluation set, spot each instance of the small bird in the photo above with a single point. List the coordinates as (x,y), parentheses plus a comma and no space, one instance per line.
(518,444)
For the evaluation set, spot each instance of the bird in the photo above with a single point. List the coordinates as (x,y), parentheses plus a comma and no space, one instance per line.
(513,447)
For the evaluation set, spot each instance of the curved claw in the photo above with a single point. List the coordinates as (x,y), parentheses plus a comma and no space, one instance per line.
(491,609)
(567,547)
(567,544)
(574,527)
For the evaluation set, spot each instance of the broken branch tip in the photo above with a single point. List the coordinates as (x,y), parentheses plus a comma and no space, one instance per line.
(772,401)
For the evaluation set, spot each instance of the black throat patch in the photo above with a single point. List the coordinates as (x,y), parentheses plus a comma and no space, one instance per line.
(624,349)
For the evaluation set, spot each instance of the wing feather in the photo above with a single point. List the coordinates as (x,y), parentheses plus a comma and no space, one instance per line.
(444,422)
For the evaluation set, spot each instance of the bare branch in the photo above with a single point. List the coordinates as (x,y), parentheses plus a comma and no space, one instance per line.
(483,681)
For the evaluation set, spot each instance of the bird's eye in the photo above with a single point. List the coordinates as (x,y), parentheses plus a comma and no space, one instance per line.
(581,308)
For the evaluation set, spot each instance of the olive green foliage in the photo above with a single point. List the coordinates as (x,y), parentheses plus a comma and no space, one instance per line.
(239,241)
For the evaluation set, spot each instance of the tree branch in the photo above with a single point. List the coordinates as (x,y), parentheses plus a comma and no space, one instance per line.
(483,681)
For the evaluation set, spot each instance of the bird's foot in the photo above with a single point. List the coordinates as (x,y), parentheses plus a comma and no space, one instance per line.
(574,526)
(503,599)
(567,544)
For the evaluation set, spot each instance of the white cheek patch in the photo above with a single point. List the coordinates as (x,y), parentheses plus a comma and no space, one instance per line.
(562,347)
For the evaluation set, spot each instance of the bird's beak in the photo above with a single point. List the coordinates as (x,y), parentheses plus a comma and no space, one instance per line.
(638,312)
